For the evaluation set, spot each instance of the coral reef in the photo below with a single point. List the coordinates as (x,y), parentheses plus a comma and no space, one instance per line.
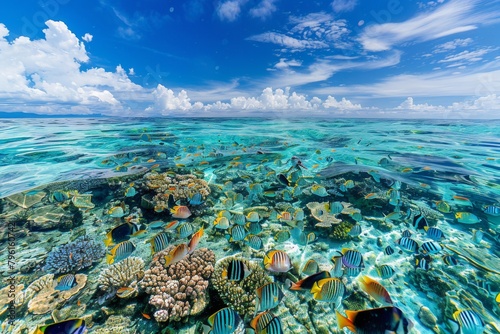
(5,300)
(125,273)
(44,298)
(179,290)
(182,187)
(46,217)
(239,295)
(116,324)
(340,231)
(74,256)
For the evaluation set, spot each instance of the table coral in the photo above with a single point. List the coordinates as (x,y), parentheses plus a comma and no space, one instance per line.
(179,290)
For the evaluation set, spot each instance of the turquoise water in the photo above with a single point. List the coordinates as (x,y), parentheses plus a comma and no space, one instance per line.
(438,163)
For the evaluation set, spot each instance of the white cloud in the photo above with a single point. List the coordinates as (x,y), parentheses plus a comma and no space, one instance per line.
(344,5)
(343,104)
(287,41)
(452,45)
(408,104)
(166,100)
(229,10)
(469,56)
(285,64)
(87,37)
(47,71)
(264,9)
(447,19)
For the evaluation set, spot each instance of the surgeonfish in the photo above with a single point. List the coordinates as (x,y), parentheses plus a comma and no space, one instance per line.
(277,261)
(180,211)
(195,239)
(70,326)
(268,296)
(236,271)
(382,320)
(466,218)
(159,242)
(376,290)
(308,282)
(468,321)
(328,290)
(121,251)
(65,282)
(224,321)
(176,254)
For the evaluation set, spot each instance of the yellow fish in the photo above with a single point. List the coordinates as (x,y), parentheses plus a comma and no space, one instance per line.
(176,254)
(195,239)
(277,261)
(180,211)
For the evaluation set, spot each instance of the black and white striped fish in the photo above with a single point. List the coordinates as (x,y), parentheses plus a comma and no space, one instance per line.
(388,250)
(159,242)
(236,271)
(408,245)
(422,263)
(434,233)
(406,234)
(224,321)
(66,282)
(491,210)
(431,247)
(385,271)
(238,233)
(469,322)
(352,258)
(269,296)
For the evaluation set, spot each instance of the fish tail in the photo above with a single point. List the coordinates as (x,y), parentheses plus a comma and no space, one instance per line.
(344,322)
(110,259)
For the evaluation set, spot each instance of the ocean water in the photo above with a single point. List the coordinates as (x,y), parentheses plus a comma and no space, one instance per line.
(62,179)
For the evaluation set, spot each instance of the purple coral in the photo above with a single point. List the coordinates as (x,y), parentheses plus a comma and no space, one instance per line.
(74,256)
(179,290)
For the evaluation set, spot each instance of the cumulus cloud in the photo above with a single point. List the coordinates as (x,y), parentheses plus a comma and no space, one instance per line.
(343,104)
(87,37)
(229,10)
(48,70)
(264,9)
(344,5)
(166,100)
(408,104)
(447,19)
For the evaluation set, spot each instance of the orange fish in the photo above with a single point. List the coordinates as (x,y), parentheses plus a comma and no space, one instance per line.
(146,316)
(180,211)
(285,216)
(375,289)
(277,261)
(176,254)
(173,224)
(370,195)
(195,239)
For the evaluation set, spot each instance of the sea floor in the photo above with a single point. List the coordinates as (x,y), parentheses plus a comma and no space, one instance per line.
(184,197)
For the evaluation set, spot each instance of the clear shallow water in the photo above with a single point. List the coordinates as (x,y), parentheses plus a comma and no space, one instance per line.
(434,160)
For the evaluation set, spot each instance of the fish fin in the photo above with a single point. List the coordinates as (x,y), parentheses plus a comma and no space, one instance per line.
(110,259)
(344,250)
(455,328)
(315,288)
(344,322)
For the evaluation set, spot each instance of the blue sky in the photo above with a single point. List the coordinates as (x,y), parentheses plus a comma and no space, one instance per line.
(238,57)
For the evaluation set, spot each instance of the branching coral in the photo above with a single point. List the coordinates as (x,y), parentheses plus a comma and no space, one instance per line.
(179,290)
(125,273)
(74,256)
(239,295)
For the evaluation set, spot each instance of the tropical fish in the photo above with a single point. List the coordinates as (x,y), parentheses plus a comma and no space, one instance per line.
(408,245)
(130,191)
(171,225)
(59,196)
(466,218)
(176,254)
(468,321)
(254,241)
(311,267)
(277,261)
(239,219)
(298,236)
(355,230)
(419,222)
(376,290)
(450,260)
(388,250)
(335,207)
(224,321)
(195,239)
(185,230)
(491,210)
(238,233)
(406,234)
(461,200)
(125,292)
(159,242)
(180,211)
(299,214)
(156,224)
(393,216)
(195,199)
(282,236)
(273,327)
(236,271)
(65,282)
(260,321)
(296,162)
(394,196)
(221,223)
(443,206)
(121,251)
(254,228)
(319,190)
(253,217)
(337,270)
(352,258)
(308,282)
(116,212)
(434,233)
(385,271)
(352,272)
(422,263)
(431,247)
(122,232)
(311,237)
(70,326)
(285,216)
(356,216)
(268,296)
(328,290)
(382,320)
(477,236)
(283,179)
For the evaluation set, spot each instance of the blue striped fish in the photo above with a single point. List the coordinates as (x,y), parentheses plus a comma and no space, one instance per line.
(406,234)
(450,260)
(352,258)
(273,327)
(431,247)
(469,322)
(238,233)
(236,271)
(185,230)
(65,282)
(224,321)
(121,251)
(353,272)
(408,245)
(388,250)
(434,233)
(491,210)
(422,263)
(328,290)
(159,242)
(355,230)
(254,241)
(385,271)
(268,296)
(261,320)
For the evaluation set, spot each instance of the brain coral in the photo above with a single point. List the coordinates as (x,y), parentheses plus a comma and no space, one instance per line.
(74,256)
(239,295)
(178,290)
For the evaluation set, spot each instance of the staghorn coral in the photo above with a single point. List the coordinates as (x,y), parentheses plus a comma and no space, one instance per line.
(179,290)
(180,186)
(74,256)
(45,298)
(125,273)
(239,295)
